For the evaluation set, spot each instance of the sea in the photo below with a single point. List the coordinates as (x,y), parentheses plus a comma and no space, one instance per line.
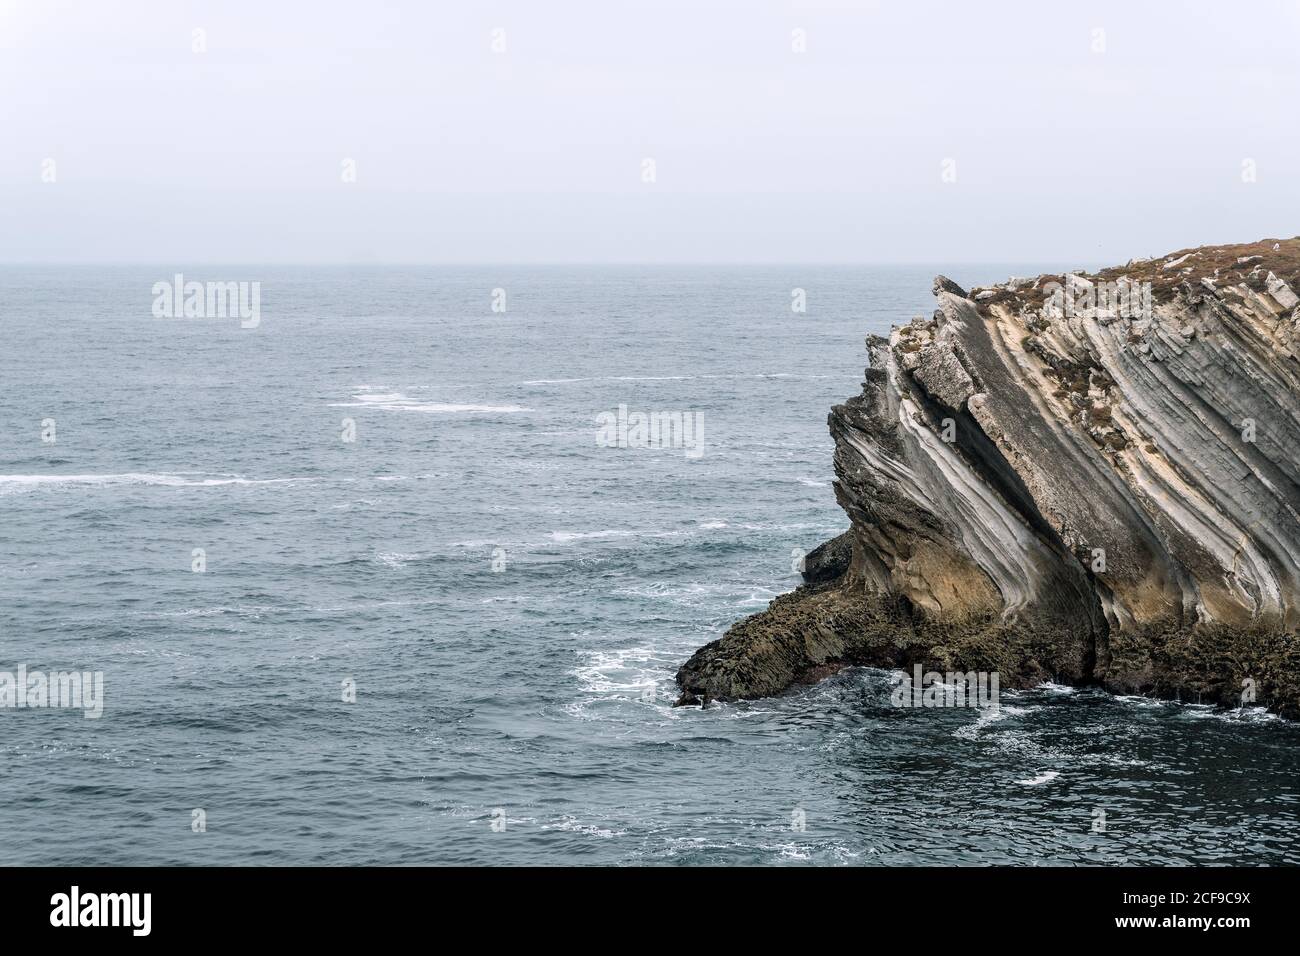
(365,582)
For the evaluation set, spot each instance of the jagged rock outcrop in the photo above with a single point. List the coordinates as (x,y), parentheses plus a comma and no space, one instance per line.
(1093,479)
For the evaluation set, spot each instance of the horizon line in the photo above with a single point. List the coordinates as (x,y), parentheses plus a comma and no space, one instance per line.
(528,264)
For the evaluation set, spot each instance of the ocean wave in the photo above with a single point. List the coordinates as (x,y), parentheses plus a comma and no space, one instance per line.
(573,825)
(819,528)
(1182,710)
(395,559)
(1236,715)
(427,476)
(618,678)
(628,671)
(1046,777)
(670,378)
(604,534)
(400,402)
(1054,688)
(564,537)
(253,609)
(989,716)
(690,595)
(1147,703)
(430,407)
(760,595)
(175,480)
(704,849)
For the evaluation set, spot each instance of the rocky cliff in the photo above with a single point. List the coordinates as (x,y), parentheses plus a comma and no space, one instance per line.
(1088,478)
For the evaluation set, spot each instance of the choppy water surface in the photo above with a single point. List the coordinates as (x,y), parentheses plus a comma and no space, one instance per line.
(540,693)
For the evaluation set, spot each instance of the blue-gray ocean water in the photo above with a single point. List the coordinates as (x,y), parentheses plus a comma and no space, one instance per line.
(520,715)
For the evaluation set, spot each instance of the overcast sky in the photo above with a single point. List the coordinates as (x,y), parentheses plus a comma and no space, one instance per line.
(1068,144)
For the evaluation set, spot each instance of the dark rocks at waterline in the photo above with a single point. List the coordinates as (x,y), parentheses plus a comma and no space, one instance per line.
(828,561)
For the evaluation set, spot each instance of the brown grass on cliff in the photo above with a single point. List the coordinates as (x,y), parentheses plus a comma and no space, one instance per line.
(1220,263)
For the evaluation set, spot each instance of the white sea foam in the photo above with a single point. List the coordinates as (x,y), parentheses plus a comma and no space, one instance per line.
(411,405)
(1147,703)
(987,717)
(625,677)
(643,677)
(383,397)
(626,671)
(649,378)
(400,402)
(575,826)
(1045,777)
(1054,688)
(611,378)
(1186,711)
(248,609)
(139,478)
(563,537)
(814,530)
(1238,715)
(839,853)
(688,595)
(668,378)
(759,595)
(479,543)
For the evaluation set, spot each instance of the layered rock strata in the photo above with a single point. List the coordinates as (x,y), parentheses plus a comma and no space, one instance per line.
(1087,478)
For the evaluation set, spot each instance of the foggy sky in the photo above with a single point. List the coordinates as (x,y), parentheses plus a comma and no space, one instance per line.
(462,154)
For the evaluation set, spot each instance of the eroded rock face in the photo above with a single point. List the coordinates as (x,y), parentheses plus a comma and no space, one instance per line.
(1088,478)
